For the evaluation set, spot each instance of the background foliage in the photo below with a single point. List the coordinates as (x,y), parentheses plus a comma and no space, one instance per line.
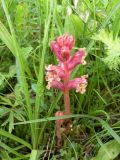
(26,29)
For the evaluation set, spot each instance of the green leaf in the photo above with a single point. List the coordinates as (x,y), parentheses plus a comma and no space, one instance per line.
(11,120)
(108,151)
(18,94)
(78,24)
(5,101)
(15,138)
(3,111)
(3,145)
(1,79)
(112,58)
(12,71)
(35,154)
(73,25)
(68,27)
(4,155)
(116,26)
(21,12)
(6,37)
(26,51)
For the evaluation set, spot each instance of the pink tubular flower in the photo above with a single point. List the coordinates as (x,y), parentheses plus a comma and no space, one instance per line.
(79,84)
(56,50)
(55,84)
(59,76)
(77,58)
(54,72)
(66,40)
(62,47)
(53,76)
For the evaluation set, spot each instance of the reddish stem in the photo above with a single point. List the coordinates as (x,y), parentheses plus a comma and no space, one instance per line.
(67,101)
(66,91)
(59,123)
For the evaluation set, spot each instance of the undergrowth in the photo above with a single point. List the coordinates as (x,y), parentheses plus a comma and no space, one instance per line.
(27,108)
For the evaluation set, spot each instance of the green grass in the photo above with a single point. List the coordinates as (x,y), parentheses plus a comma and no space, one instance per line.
(27,108)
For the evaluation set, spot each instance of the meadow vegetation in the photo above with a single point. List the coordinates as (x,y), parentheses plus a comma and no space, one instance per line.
(27,107)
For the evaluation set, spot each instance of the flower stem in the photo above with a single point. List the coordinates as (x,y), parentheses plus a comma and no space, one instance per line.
(67,101)
(66,91)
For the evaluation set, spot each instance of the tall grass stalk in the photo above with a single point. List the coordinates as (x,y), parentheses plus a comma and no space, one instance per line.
(21,67)
(40,85)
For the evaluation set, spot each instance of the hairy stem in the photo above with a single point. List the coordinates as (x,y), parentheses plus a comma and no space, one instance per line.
(67,101)
(66,91)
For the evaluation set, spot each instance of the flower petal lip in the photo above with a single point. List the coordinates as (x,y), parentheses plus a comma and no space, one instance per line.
(62,53)
(55,71)
(66,40)
(77,58)
(55,48)
(62,47)
(55,84)
(81,88)
(79,84)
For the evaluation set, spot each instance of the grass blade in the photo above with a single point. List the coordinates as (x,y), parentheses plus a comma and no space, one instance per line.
(11,150)
(15,138)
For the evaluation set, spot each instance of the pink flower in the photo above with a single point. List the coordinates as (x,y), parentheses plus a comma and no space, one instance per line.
(79,84)
(53,76)
(65,53)
(54,72)
(55,84)
(66,40)
(62,47)
(59,76)
(77,58)
(56,49)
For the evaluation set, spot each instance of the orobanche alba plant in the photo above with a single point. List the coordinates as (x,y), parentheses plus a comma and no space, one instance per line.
(58,76)
(112,58)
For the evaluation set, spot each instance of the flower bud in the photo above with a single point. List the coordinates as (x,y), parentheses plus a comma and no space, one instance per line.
(66,40)
(62,47)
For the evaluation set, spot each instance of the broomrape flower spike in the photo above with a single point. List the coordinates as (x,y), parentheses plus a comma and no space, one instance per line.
(59,76)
